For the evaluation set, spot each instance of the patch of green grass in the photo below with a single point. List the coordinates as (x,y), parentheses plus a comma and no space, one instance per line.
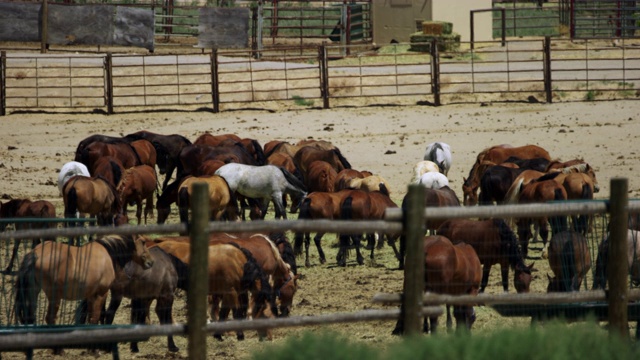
(590,95)
(300,101)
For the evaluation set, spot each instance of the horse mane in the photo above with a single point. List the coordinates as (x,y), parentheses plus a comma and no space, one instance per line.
(261,158)
(287,255)
(119,248)
(252,272)
(509,245)
(273,149)
(292,179)
(342,159)
(383,189)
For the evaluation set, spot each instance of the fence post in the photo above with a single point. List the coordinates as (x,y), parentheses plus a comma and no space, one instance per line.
(198,273)
(471,31)
(108,69)
(45,27)
(414,263)
(618,275)
(547,69)
(503,15)
(3,83)
(324,76)
(435,72)
(215,84)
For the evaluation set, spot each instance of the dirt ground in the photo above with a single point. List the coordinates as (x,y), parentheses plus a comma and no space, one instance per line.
(385,140)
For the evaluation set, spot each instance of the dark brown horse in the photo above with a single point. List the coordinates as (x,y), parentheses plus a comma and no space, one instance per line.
(570,261)
(308,154)
(355,206)
(453,270)
(633,259)
(495,183)
(121,151)
(495,243)
(25,208)
(138,184)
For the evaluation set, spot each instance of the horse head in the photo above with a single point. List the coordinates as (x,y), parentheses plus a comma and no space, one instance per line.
(141,254)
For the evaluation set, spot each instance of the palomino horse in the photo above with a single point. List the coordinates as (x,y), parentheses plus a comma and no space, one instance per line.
(496,155)
(453,270)
(442,197)
(70,169)
(633,258)
(423,167)
(570,261)
(321,176)
(233,275)
(266,182)
(167,148)
(433,180)
(222,201)
(439,153)
(25,208)
(494,243)
(67,272)
(370,183)
(345,176)
(138,183)
(90,195)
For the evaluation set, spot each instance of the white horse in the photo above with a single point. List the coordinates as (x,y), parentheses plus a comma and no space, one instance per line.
(266,182)
(70,169)
(439,153)
(434,180)
(422,167)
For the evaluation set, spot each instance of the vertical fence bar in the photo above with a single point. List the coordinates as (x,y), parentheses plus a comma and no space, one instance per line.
(45,27)
(215,81)
(414,265)
(108,71)
(324,75)
(3,83)
(471,26)
(435,72)
(546,47)
(504,26)
(618,275)
(198,273)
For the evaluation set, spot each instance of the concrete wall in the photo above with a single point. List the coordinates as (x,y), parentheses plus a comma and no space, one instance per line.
(396,19)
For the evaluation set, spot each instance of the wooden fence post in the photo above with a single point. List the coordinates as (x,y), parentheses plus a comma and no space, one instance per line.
(435,72)
(618,274)
(108,68)
(414,263)
(3,83)
(215,83)
(198,273)
(547,69)
(324,76)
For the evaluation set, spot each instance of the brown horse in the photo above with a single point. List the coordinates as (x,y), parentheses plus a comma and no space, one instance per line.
(496,155)
(633,259)
(320,176)
(453,270)
(109,168)
(121,151)
(192,157)
(280,147)
(320,144)
(222,201)
(67,272)
(215,140)
(233,275)
(25,208)
(146,152)
(138,184)
(91,195)
(570,261)
(355,206)
(495,243)
(345,176)
(308,154)
(443,197)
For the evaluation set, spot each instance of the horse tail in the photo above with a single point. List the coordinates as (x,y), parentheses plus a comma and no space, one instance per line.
(509,244)
(342,159)
(304,212)
(183,202)
(260,157)
(252,272)
(287,255)
(182,270)
(27,289)
(384,189)
(558,223)
(116,171)
(293,181)
(514,192)
(135,153)
(72,203)
(600,277)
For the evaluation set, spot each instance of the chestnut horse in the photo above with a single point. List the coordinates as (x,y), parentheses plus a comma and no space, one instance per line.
(109,168)
(121,151)
(67,272)
(25,208)
(321,176)
(146,152)
(138,183)
(453,270)
(570,261)
(355,206)
(91,195)
(496,155)
(495,243)
(285,161)
(308,154)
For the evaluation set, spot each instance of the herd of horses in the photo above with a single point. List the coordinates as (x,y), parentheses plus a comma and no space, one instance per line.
(250,274)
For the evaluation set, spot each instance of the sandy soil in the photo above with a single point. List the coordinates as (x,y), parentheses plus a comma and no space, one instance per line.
(384,140)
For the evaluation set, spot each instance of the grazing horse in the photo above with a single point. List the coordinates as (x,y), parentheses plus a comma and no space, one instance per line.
(222,201)
(496,155)
(25,208)
(280,147)
(633,260)
(146,152)
(215,140)
(570,261)
(579,186)
(285,161)
(423,167)
(495,243)
(439,153)
(320,144)
(67,272)
(121,151)
(433,180)
(193,156)
(538,164)
(356,206)
(109,168)
(163,203)
(138,183)
(308,154)
(70,169)
(321,176)
(370,183)
(345,176)
(442,197)
(266,182)
(167,148)
(233,275)
(496,182)
(453,270)
(91,195)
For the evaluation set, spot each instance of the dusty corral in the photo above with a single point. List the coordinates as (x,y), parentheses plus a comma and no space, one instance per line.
(387,141)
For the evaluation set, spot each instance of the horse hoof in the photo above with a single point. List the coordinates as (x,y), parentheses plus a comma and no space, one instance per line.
(174,349)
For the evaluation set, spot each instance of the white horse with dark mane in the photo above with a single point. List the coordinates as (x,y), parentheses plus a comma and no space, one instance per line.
(266,182)
(439,153)
(70,169)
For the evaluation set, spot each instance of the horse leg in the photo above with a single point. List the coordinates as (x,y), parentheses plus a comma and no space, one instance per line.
(341,258)
(148,208)
(449,320)
(544,234)
(139,212)
(504,270)
(485,277)
(281,211)
(222,316)
(139,312)
(14,253)
(316,240)
(357,239)
(164,307)
(114,304)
